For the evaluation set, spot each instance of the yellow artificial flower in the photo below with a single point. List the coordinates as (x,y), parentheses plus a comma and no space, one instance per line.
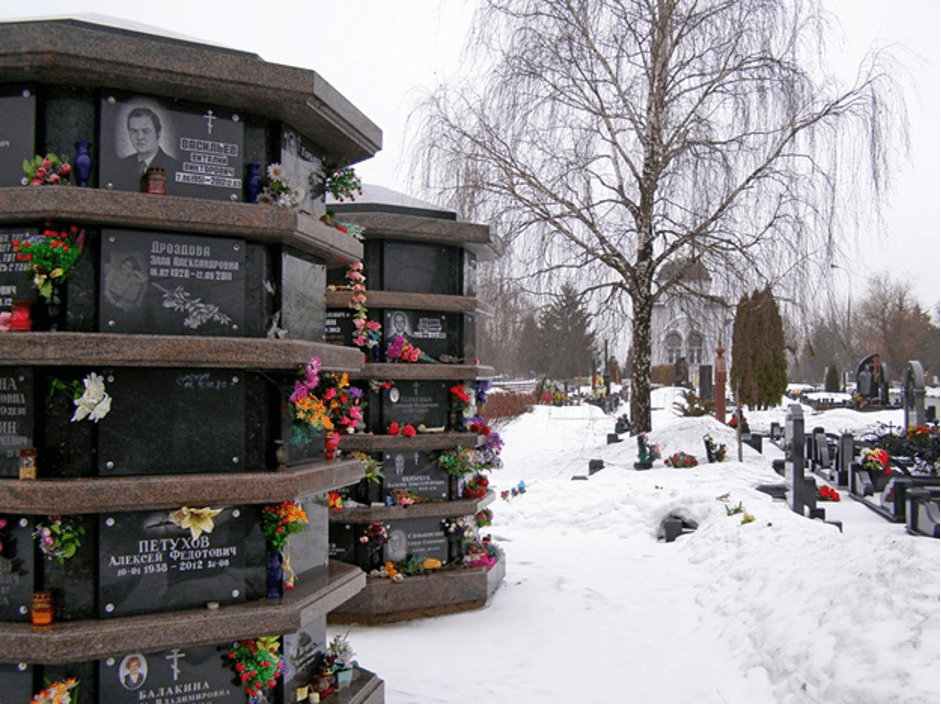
(197,520)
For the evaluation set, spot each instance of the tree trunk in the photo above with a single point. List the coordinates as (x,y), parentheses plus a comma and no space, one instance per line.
(640,372)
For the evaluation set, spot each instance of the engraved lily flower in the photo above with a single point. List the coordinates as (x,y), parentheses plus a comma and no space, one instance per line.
(197,520)
(94,403)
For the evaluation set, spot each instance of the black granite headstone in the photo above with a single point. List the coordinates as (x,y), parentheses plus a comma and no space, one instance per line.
(416,403)
(338,327)
(434,333)
(16,417)
(343,542)
(147,563)
(173,421)
(200,149)
(470,273)
(470,339)
(303,652)
(196,674)
(302,166)
(16,281)
(302,302)
(171,284)
(17,567)
(418,267)
(309,550)
(17,135)
(421,537)
(16,683)
(413,471)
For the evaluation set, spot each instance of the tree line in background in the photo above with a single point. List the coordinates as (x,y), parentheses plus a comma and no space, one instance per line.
(884,319)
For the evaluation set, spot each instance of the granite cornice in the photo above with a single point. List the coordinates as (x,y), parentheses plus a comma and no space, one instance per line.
(74,52)
(368,442)
(428,509)
(117,350)
(404,300)
(169,491)
(100,207)
(78,641)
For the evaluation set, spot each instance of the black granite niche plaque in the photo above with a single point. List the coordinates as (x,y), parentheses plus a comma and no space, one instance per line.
(417,403)
(420,268)
(147,563)
(16,683)
(173,421)
(171,284)
(413,471)
(433,333)
(17,135)
(16,281)
(338,326)
(302,303)
(303,167)
(309,549)
(16,417)
(304,651)
(343,542)
(17,566)
(196,674)
(200,149)
(422,537)
(470,273)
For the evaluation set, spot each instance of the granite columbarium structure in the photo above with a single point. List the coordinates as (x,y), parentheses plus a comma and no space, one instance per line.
(145,389)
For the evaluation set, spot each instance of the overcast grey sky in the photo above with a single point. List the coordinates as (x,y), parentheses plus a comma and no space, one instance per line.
(382,54)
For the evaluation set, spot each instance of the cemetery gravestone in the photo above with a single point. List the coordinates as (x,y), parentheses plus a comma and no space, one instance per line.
(206,428)
(416,402)
(200,149)
(794,457)
(17,134)
(913,394)
(16,282)
(171,284)
(413,471)
(422,538)
(183,674)
(147,563)
(17,568)
(16,417)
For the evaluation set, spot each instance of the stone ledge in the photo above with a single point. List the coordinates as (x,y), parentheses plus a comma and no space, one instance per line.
(258,223)
(78,349)
(79,641)
(436,594)
(381,225)
(416,371)
(413,301)
(364,442)
(76,52)
(141,493)
(429,509)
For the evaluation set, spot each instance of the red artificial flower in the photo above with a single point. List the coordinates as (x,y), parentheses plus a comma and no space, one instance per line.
(393,429)
(408,431)
(65,169)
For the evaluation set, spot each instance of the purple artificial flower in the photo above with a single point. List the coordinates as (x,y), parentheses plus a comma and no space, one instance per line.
(301,390)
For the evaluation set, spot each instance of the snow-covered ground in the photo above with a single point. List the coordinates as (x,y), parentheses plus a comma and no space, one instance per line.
(595,609)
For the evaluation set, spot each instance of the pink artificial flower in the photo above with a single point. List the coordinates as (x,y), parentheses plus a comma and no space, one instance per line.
(300,391)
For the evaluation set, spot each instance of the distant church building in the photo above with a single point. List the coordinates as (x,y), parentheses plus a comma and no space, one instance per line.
(685,328)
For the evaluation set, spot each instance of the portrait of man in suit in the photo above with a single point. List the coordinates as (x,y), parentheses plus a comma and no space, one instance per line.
(143,130)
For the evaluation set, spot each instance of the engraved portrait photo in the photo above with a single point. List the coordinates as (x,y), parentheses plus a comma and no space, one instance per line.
(141,134)
(132,673)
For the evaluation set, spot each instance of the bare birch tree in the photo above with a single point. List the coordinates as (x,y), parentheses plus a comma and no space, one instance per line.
(606,138)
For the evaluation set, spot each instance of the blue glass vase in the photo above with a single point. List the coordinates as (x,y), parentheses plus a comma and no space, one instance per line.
(254,182)
(274,574)
(81,164)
